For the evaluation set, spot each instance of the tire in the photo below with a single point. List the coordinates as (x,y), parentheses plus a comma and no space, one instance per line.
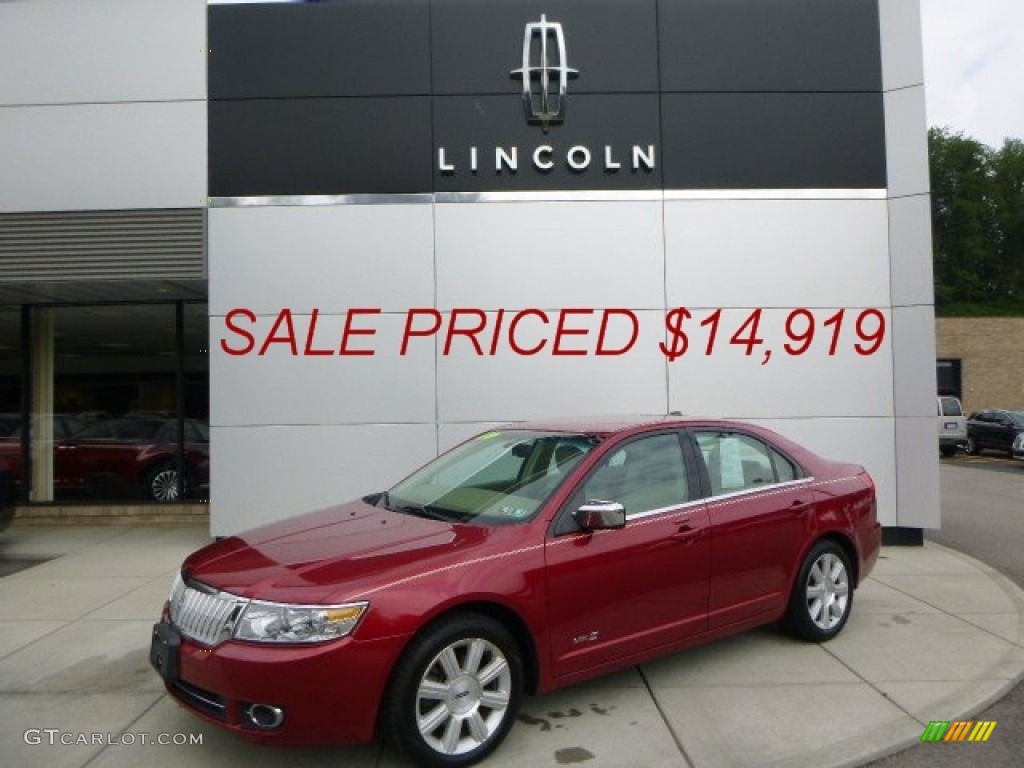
(455,692)
(948,451)
(822,594)
(161,483)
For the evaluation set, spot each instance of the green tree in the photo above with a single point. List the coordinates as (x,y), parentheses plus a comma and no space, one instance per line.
(1009,196)
(977,224)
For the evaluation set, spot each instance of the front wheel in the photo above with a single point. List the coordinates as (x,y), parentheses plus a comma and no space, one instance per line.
(822,595)
(971,447)
(455,692)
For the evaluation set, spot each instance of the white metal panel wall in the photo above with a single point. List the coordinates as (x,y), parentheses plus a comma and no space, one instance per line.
(290,433)
(910,258)
(102,51)
(103,156)
(102,105)
(643,256)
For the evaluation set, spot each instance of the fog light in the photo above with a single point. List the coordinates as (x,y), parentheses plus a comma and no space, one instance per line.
(264,716)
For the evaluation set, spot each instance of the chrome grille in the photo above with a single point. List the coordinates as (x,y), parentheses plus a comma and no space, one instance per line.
(203,614)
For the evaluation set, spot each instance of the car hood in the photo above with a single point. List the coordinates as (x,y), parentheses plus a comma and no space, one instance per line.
(332,554)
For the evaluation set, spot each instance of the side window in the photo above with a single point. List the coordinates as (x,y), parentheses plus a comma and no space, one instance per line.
(643,475)
(951,406)
(737,462)
(784,469)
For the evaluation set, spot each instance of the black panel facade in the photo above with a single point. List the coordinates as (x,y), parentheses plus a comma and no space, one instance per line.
(774,141)
(476,44)
(319,146)
(781,45)
(412,96)
(292,50)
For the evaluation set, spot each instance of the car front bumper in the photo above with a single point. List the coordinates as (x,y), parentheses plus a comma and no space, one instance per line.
(329,693)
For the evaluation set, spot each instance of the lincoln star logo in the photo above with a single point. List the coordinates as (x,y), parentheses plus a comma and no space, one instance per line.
(545,72)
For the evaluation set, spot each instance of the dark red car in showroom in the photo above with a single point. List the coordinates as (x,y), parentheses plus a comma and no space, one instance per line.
(135,455)
(526,559)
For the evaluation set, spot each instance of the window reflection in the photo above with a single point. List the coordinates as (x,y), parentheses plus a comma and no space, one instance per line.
(116,404)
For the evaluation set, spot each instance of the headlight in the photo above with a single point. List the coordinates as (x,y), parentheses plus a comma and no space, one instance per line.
(283,623)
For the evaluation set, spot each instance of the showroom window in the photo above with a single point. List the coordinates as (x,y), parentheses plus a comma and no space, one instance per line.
(118,402)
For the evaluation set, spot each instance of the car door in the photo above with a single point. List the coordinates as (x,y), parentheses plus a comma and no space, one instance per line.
(1004,431)
(615,593)
(75,455)
(760,509)
(980,431)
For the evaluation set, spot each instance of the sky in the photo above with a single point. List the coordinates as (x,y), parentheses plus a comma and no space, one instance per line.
(974,67)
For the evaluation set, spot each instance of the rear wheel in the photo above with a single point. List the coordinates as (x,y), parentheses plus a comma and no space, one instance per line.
(162,482)
(948,450)
(455,692)
(822,595)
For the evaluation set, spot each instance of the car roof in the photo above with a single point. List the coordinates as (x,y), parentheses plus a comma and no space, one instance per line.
(606,425)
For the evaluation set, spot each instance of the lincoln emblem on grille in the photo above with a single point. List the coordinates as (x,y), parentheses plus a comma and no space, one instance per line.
(544,61)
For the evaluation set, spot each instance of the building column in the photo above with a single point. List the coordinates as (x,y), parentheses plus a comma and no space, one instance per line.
(41,439)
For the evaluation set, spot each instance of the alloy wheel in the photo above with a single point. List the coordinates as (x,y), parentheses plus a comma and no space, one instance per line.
(827,591)
(463,696)
(164,484)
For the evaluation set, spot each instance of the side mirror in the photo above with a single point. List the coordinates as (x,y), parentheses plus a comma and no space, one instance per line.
(600,515)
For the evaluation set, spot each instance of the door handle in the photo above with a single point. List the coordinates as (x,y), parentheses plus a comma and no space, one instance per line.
(799,507)
(687,534)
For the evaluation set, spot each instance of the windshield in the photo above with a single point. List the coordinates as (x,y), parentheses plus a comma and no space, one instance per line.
(1017,417)
(495,478)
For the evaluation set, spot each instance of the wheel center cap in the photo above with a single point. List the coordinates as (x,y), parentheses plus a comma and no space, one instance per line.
(463,695)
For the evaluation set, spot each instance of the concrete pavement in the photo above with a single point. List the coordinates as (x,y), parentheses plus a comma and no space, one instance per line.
(934,635)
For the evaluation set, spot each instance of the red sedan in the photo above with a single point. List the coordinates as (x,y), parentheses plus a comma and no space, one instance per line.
(528,558)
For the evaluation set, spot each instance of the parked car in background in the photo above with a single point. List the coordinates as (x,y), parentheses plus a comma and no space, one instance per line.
(135,452)
(952,425)
(64,426)
(134,456)
(526,559)
(994,430)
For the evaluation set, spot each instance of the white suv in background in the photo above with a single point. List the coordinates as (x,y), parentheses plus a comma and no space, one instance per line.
(952,425)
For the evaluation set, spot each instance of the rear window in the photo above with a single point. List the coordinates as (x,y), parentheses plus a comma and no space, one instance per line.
(950,406)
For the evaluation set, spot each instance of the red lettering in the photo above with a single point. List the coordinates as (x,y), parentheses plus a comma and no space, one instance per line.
(563,331)
(284,317)
(604,329)
(410,317)
(512,332)
(496,335)
(249,339)
(350,331)
(468,332)
(308,350)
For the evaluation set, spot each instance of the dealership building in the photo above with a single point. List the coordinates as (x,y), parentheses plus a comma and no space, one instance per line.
(312,244)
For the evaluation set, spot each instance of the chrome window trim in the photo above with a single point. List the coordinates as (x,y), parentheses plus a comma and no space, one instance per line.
(663,510)
(760,489)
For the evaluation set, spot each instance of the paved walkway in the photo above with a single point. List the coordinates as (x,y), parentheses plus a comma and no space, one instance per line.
(934,635)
